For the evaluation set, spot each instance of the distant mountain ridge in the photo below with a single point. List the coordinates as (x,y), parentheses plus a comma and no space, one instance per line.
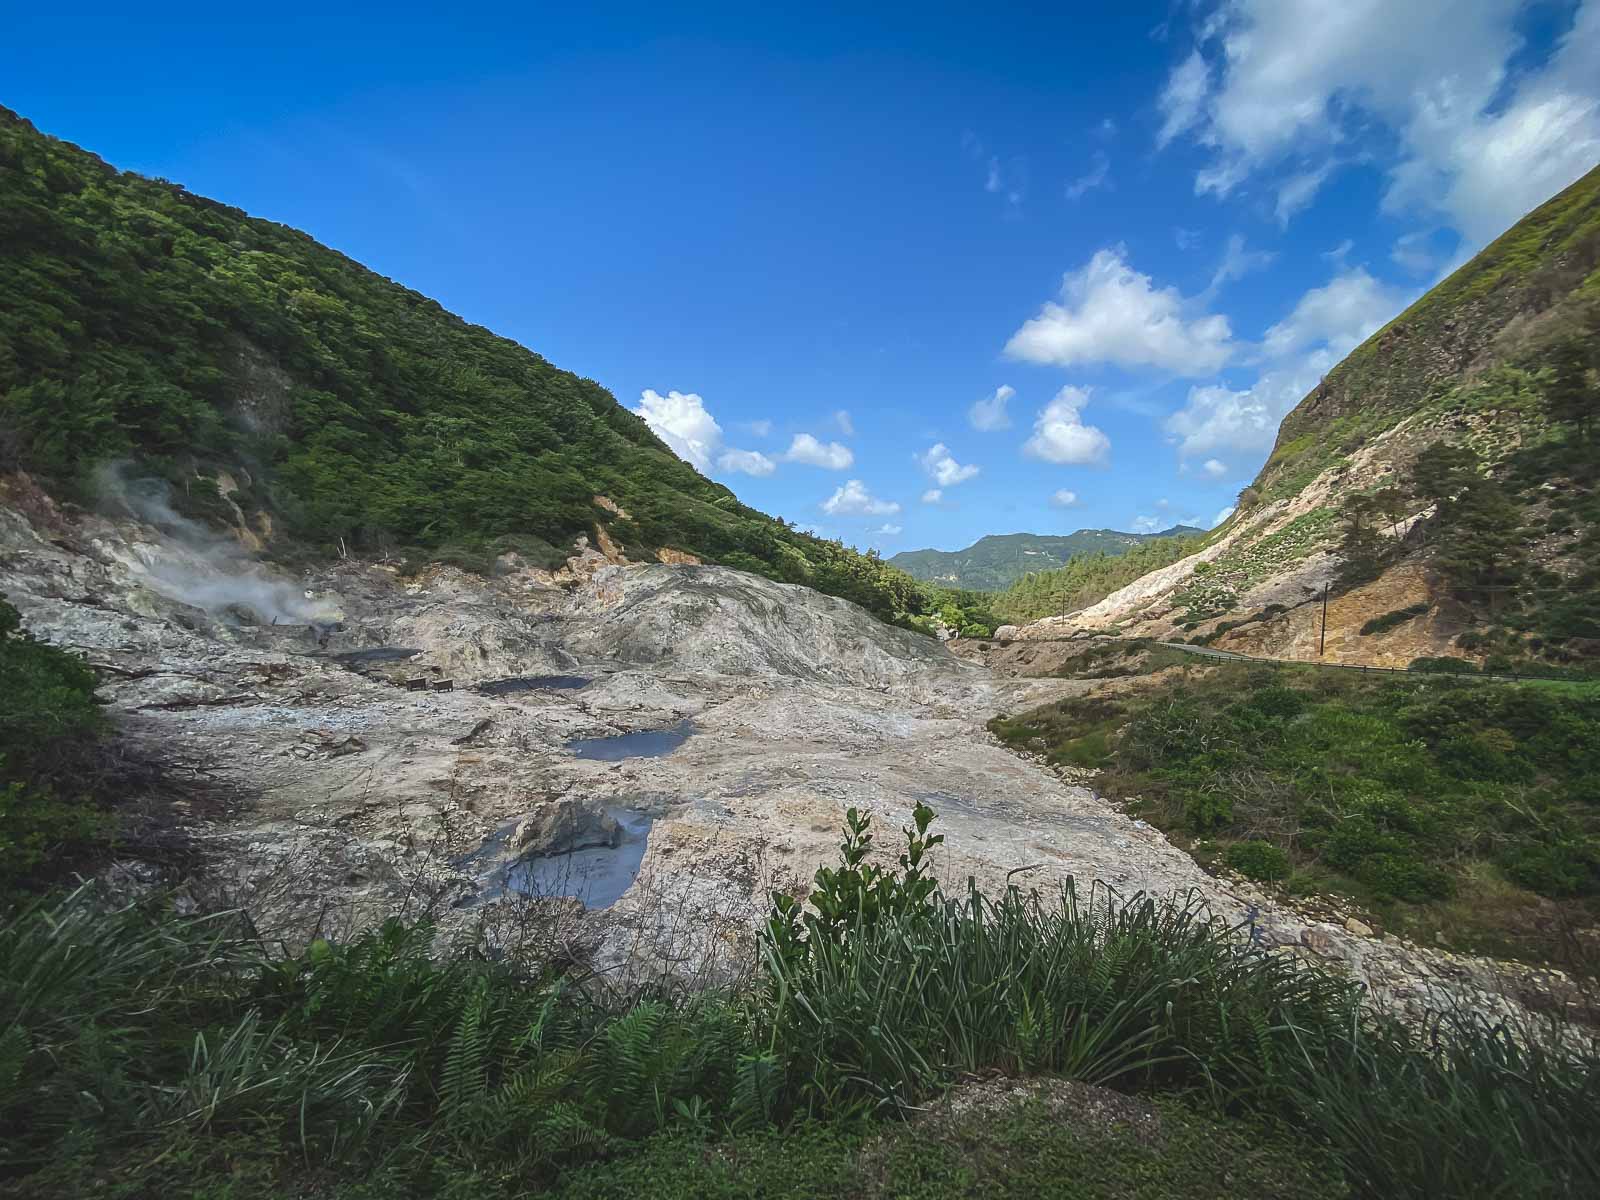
(995,562)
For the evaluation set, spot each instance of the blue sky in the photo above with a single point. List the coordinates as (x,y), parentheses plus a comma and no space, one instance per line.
(908,276)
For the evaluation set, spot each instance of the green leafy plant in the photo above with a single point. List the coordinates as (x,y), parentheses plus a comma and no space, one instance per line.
(1258,860)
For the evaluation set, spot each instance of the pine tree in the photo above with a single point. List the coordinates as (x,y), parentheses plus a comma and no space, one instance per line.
(1570,395)
(1481,548)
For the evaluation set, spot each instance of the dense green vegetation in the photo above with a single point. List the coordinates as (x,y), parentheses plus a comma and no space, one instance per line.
(1469,810)
(1086,579)
(50,768)
(141,322)
(994,563)
(147,1053)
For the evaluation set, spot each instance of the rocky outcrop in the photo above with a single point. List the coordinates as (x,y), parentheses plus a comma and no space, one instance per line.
(562,826)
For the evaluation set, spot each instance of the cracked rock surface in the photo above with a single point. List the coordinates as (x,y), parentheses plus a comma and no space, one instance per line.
(376,773)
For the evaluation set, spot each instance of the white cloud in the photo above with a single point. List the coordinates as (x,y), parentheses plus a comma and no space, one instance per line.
(832,456)
(1187,239)
(1146,524)
(1339,253)
(853,499)
(1097,176)
(1008,178)
(1184,97)
(1342,313)
(845,424)
(1214,468)
(1484,163)
(759,428)
(1325,324)
(1469,131)
(1217,417)
(933,495)
(1112,313)
(1221,517)
(1062,498)
(1298,191)
(1059,434)
(887,529)
(942,467)
(1237,262)
(989,414)
(1414,253)
(681,421)
(751,462)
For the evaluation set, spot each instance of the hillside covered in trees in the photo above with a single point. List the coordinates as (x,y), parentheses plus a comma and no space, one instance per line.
(994,563)
(141,322)
(1090,577)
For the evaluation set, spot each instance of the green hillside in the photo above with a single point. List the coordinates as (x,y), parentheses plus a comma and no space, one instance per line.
(141,322)
(1495,375)
(994,563)
(1482,314)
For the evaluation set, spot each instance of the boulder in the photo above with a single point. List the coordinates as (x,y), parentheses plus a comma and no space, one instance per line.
(561,826)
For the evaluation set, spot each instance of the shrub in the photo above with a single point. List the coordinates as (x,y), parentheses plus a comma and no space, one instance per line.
(1390,619)
(50,726)
(1258,860)
(1443,666)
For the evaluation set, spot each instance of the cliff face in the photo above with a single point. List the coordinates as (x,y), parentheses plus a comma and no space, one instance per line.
(1476,365)
(1463,324)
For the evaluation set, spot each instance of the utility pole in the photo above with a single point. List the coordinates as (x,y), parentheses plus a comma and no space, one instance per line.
(1322,643)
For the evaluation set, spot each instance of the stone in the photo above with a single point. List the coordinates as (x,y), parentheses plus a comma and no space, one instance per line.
(1319,940)
(1359,928)
(562,826)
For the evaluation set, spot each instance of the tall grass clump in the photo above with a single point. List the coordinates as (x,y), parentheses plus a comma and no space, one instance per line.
(914,990)
(176,1055)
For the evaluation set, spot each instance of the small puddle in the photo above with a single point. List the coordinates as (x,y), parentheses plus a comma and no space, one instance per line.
(531,683)
(598,876)
(356,658)
(646,743)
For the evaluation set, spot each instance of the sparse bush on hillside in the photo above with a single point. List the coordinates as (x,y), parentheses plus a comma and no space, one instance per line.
(1258,860)
(1391,620)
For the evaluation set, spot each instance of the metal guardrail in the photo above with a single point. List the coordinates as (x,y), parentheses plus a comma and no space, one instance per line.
(1235,656)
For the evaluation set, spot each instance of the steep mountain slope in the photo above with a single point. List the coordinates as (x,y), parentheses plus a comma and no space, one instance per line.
(291,393)
(1442,483)
(995,562)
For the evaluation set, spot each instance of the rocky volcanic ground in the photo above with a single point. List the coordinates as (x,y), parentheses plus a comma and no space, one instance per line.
(359,787)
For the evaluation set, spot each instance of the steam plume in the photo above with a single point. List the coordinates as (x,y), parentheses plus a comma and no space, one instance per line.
(199,567)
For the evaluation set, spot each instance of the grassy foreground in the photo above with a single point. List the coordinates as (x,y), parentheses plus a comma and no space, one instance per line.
(147,1053)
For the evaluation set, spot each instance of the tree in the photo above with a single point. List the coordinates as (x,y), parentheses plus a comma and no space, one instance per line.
(1570,394)
(1442,471)
(1481,547)
(1363,550)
